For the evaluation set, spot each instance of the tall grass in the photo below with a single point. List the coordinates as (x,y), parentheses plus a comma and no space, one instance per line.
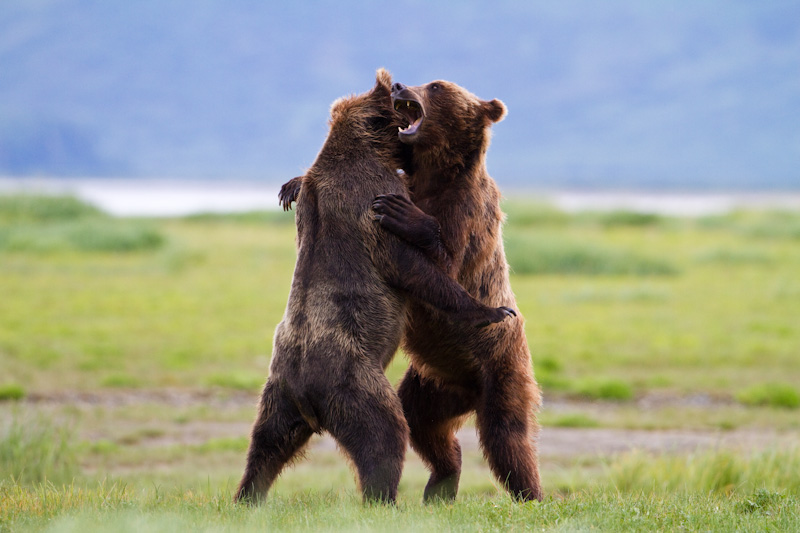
(82,236)
(34,450)
(278,218)
(110,507)
(707,472)
(539,213)
(531,253)
(771,394)
(27,208)
(11,391)
(775,224)
(31,223)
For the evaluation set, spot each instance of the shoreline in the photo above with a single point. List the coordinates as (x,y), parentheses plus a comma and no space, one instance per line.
(165,197)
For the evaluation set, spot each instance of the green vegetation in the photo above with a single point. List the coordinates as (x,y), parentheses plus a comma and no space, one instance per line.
(36,450)
(771,394)
(530,253)
(84,236)
(650,302)
(594,388)
(573,420)
(28,208)
(278,218)
(758,224)
(719,490)
(713,492)
(133,352)
(721,472)
(57,223)
(11,392)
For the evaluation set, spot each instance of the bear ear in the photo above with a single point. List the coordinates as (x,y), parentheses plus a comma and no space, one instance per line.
(383,80)
(495,110)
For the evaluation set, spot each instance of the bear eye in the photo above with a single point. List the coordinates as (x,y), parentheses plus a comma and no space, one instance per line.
(435,87)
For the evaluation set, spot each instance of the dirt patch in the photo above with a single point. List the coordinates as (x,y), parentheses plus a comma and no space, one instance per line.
(578,442)
(167,397)
(553,442)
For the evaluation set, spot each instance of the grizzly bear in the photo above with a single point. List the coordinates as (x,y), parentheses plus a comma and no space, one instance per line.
(347,308)
(456,370)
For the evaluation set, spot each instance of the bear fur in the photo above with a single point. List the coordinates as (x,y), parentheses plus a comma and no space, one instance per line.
(455,216)
(347,308)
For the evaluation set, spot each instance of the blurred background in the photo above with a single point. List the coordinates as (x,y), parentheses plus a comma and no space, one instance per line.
(614,95)
(649,163)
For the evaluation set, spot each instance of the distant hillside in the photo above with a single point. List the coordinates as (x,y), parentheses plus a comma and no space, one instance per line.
(606,94)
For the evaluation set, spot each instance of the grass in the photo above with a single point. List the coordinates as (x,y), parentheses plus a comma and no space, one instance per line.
(713,492)
(11,391)
(35,450)
(27,208)
(95,235)
(757,224)
(621,309)
(573,420)
(533,253)
(710,472)
(43,224)
(598,388)
(193,302)
(771,394)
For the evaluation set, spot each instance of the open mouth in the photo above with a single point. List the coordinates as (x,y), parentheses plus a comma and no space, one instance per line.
(411,110)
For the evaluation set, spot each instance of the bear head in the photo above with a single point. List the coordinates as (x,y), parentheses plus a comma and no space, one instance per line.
(370,119)
(444,116)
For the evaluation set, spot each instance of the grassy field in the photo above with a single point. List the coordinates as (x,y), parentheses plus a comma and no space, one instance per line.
(132,352)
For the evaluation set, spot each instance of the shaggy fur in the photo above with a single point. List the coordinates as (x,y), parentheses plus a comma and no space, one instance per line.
(456,370)
(347,308)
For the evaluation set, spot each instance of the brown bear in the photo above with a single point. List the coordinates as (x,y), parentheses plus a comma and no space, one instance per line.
(455,370)
(347,308)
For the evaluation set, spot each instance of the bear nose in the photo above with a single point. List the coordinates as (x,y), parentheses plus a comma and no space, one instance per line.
(397,87)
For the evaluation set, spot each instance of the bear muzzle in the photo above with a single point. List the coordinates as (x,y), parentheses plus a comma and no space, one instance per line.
(407,105)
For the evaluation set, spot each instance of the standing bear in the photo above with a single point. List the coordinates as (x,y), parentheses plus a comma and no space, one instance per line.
(456,370)
(347,308)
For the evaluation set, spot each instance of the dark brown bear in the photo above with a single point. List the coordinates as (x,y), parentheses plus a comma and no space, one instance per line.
(347,309)
(456,370)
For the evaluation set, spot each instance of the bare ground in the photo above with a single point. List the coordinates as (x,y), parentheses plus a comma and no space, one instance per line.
(553,441)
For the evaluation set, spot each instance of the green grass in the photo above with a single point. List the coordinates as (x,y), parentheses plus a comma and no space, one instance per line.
(194,302)
(34,450)
(61,223)
(598,388)
(711,492)
(757,224)
(11,391)
(573,420)
(771,394)
(28,208)
(94,235)
(621,309)
(710,472)
(240,380)
(533,253)
(271,218)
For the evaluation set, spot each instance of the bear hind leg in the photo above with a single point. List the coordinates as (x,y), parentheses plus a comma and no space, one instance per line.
(279,433)
(374,435)
(507,428)
(434,413)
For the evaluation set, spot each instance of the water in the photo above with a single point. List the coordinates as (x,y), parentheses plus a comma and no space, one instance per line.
(151,197)
(157,198)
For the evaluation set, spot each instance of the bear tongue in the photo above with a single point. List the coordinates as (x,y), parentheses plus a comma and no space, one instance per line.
(412,128)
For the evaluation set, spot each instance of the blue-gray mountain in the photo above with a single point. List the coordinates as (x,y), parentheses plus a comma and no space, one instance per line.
(600,94)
